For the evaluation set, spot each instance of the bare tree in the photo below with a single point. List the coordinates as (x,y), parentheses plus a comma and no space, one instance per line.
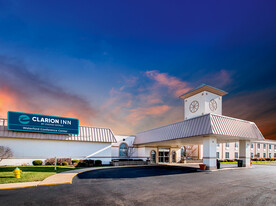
(189,151)
(130,151)
(5,152)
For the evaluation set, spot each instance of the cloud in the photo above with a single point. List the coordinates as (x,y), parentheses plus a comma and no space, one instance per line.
(174,84)
(142,102)
(22,90)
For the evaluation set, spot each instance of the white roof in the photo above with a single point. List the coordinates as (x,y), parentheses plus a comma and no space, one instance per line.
(209,124)
(87,134)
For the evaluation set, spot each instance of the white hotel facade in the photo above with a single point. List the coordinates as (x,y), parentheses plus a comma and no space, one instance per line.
(212,134)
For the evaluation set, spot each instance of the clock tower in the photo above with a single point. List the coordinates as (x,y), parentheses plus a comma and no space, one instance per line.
(202,100)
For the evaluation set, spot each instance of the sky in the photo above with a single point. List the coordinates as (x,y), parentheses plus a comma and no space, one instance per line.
(124,64)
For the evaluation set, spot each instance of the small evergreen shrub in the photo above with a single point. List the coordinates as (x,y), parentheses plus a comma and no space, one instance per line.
(75,161)
(64,163)
(37,162)
(98,163)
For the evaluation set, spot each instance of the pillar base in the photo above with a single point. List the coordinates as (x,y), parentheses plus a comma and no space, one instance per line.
(211,168)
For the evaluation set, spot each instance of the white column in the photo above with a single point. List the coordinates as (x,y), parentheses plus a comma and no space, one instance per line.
(244,152)
(209,153)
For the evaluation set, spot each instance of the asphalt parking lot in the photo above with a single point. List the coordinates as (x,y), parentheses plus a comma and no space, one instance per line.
(150,185)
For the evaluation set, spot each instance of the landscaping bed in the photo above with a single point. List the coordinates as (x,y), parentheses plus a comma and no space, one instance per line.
(31,173)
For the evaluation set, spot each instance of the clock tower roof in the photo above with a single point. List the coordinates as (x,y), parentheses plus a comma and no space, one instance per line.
(201,88)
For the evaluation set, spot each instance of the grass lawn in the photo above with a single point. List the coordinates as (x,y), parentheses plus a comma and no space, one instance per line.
(30,173)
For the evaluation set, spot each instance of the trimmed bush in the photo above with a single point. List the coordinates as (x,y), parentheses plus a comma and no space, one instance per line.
(86,163)
(75,161)
(98,163)
(64,163)
(37,162)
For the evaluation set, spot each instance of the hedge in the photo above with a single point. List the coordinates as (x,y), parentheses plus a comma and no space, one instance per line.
(37,162)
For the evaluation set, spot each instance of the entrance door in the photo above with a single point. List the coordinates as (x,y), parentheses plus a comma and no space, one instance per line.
(164,155)
(153,156)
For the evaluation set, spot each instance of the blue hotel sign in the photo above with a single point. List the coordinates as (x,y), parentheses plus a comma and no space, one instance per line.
(27,122)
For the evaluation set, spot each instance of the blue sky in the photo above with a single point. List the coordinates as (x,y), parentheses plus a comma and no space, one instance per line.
(121,64)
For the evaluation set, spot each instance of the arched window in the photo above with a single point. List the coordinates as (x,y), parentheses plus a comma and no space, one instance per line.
(153,156)
(182,152)
(123,150)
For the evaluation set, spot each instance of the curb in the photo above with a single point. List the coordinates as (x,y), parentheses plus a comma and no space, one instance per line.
(55,179)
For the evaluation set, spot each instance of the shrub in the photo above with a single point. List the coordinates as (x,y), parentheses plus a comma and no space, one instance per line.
(37,162)
(267,159)
(98,163)
(5,152)
(50,161)
(75,161)
(272,159)
(64,163)
(86,163)
(61,160)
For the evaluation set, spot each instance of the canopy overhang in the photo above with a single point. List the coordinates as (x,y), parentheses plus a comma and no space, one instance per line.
(193,131)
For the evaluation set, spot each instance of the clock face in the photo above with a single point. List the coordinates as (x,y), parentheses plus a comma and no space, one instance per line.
(194,106)
(213,105)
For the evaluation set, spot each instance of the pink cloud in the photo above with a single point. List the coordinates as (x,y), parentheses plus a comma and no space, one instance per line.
(174,84)
(141,113)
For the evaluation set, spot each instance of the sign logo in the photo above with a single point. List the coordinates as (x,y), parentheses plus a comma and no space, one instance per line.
(24,119)
(28,122)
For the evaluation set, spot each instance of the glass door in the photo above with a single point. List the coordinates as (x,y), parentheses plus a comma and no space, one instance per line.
(164,155)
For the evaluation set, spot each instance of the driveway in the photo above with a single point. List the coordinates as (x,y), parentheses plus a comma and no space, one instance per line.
(150,185)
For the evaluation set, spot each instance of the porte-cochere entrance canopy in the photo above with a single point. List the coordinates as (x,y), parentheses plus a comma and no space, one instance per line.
(225,129)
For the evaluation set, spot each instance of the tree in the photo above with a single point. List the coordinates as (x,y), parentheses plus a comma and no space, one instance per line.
(5,152)
(130,150)
(187,152)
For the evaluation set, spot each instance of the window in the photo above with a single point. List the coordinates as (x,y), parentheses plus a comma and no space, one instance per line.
(236,145)
(269,155)
(227,145)
(173,156)
(252,155)
(217,155)
(270,146)
(218,145)
(227,155)
(123,150)
(252,145)
(236,155)
(258,155)
(264,146)
(264,155)
(275,155)
(153,156)
(259,145)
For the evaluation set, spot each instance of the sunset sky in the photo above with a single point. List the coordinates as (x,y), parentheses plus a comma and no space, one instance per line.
(123,64)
